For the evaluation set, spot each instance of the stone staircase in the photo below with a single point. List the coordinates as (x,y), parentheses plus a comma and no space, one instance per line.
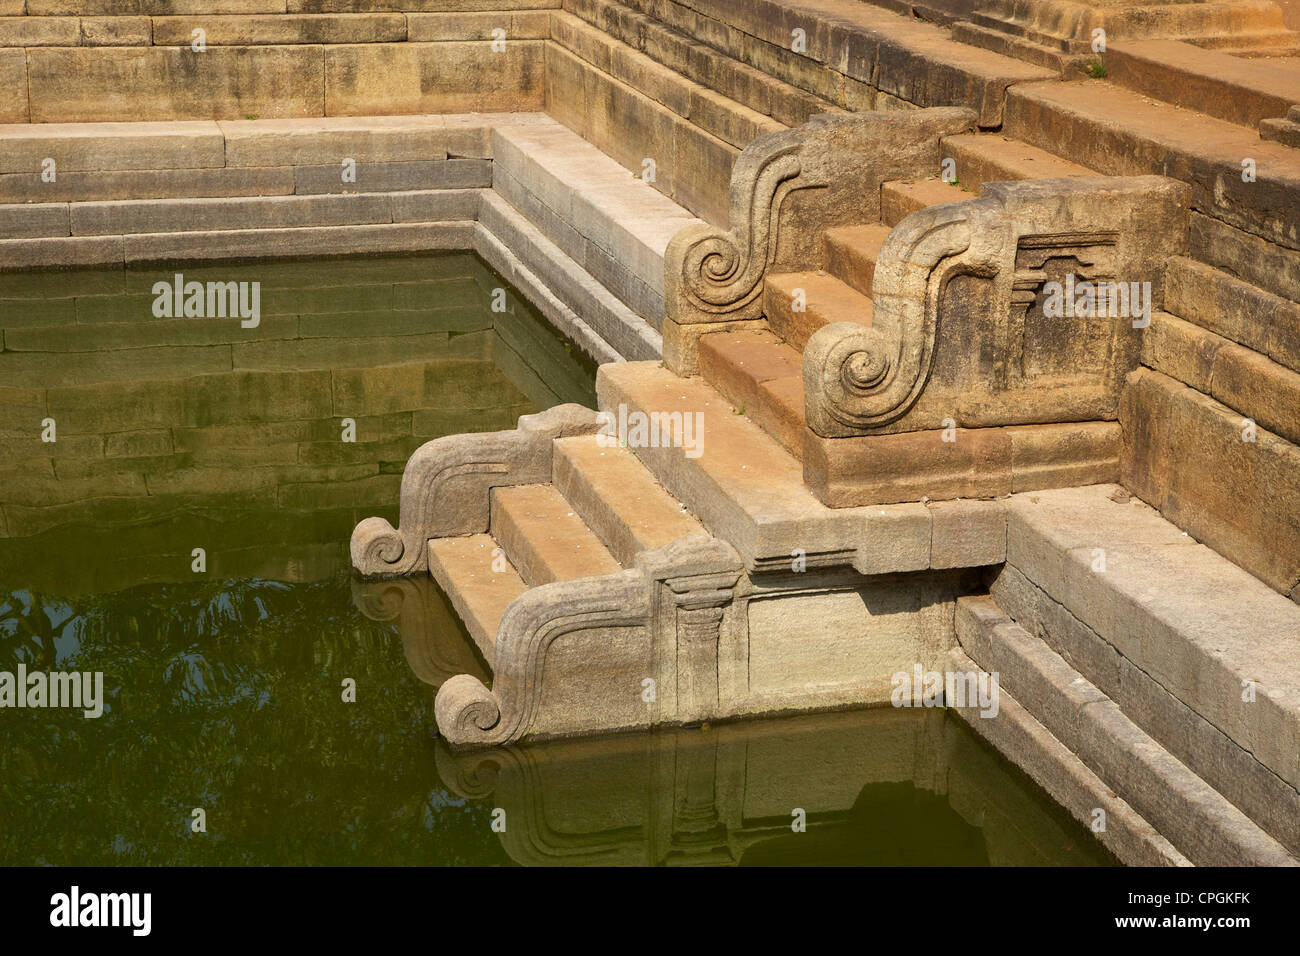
(601,510)
(1101,623)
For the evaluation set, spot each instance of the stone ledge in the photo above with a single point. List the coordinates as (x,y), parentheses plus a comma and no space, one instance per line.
(1199,821)
(1030,746)
(1188,618)
(1206,750)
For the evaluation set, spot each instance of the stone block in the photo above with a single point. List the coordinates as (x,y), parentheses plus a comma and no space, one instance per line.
(967,534)
(83,84)
(370,79)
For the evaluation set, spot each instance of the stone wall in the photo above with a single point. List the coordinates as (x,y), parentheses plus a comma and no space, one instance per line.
(105,60)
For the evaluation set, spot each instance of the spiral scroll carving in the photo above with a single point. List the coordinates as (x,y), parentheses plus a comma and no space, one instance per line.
(721,271)
(468,713)
(858,377)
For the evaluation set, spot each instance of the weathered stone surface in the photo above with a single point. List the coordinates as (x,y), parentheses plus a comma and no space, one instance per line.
(302,28)
(1264,263)
(1238,310)
(116,31)
(611,320)
(286,243)
(1019,736)
(1196,818)
(851,253)
(1184,615)
(618,498)
(1185,453)
(330,140)
(13,76)
(480,593)
(1118,132)
(899,199)
(111,146)
(70,252)
(469,25)
(105,185)
(990,157)
(24,221)
(1220,761)
(967,534)
(883,469)
(797,304)
(395,176)
(18,31)
(81,84)
(369,79)
(1232,88)
(545,538)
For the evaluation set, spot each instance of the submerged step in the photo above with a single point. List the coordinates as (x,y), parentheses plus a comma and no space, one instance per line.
(1197,819)
(797,304)
(618,498)
(544,536)
(851,254)
(480,582)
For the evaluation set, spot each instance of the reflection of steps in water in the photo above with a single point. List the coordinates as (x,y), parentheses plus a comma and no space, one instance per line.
(289,546)
(157,414)
(433,639)
(880,786)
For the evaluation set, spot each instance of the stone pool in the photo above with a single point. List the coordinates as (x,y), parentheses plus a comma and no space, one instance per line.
(176,498)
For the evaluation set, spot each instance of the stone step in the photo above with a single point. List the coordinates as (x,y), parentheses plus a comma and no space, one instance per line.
(544,537)
(1234,309)
(745,488)
(720,116)
(1284,131)
(763,377)
(1121,133)
(898,200)
(1241,378)
(479,591)
(605,219)
(797,304)
(704,64)
(851,253)
(1018,47)
(1198,651)
(617,497)
(136,216)
(991,157)
(1232,88)
(567,294)
(1196,818)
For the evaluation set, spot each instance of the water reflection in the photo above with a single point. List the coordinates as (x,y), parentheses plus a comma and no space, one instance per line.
(877,787)
(111,416)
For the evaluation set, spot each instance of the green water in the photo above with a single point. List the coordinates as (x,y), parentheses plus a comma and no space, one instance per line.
(224,688)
